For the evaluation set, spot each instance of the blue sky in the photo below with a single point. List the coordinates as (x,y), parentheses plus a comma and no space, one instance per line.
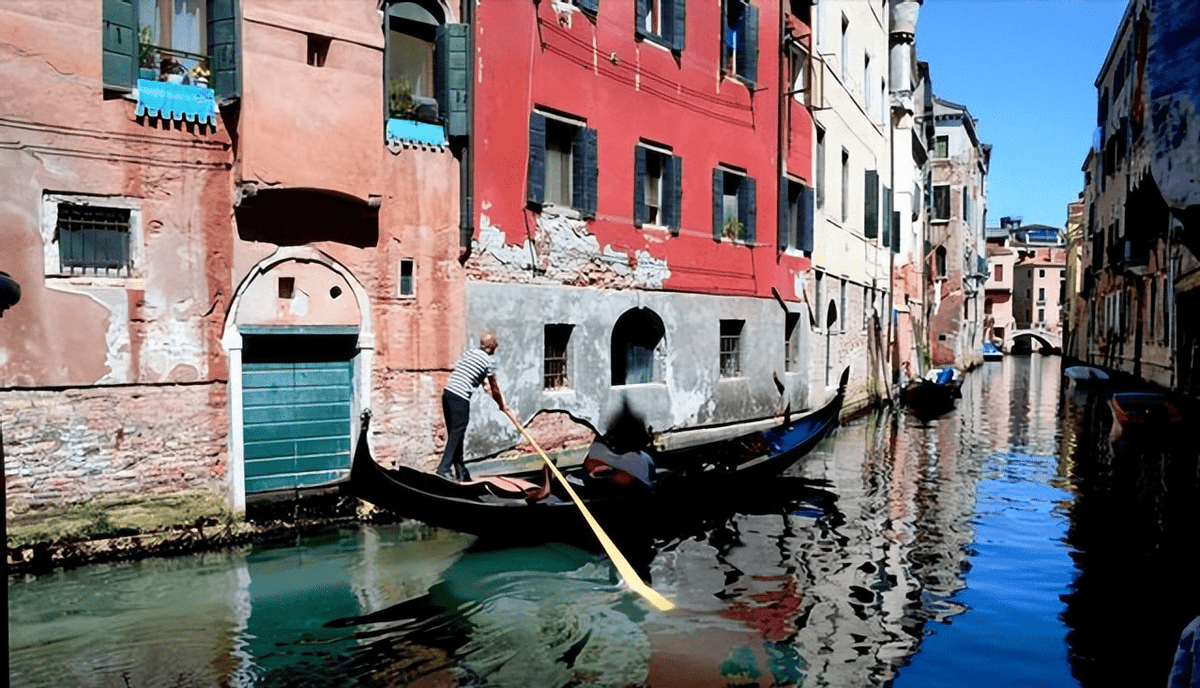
(1025,69)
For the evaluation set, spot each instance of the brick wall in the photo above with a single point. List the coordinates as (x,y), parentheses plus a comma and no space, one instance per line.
(72,445)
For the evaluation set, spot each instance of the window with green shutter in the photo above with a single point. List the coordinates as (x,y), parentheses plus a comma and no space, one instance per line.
(426,66)
(563,163)
(189,42)
(739,40)
(795,216)
(734,214)
(871,204)
(657,188)
(661,21)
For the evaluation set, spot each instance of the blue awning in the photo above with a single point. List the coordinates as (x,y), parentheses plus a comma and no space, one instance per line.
(412,132)
(166,100)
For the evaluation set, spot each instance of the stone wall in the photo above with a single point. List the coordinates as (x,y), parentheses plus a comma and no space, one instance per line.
(64,446)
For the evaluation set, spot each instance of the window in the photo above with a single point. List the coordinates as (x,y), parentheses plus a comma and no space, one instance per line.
(987,307)
(739,40)
(562,163)
(733,206)
(554,367)
(90,235)
(1041,295)
(941,202)
(1041,316)
(941,146)
(318,50)
(1041,272)
(657,188)
(842,304)
(845,185)
(795,216)
(426,66)
(731,344)
(939,261)
(637,347)
(407,282)
(820,164)
(844,56)
(183,41)
(998,272)
(866,83)
(791,343)
(662,21)
(966,205)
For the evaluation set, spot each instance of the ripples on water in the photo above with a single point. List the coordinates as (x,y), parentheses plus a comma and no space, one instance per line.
(1005,543)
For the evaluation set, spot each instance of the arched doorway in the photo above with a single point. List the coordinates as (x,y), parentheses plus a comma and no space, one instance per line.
(300,347)
(637,341)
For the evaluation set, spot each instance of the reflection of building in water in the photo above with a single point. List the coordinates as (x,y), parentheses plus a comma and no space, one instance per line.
(895,562)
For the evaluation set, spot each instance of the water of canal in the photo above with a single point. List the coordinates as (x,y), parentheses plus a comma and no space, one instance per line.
(1007,543)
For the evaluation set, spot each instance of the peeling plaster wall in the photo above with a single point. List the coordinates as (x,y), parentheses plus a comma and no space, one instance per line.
(1174,51)
(691,394)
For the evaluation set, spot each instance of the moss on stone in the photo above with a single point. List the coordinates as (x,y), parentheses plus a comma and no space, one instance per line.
(101,518)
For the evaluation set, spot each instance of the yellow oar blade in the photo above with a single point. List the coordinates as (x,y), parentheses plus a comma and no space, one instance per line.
(632,579)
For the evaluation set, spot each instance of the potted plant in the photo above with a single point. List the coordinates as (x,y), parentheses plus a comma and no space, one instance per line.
(733,228)
(170,70)
(199,73)
(401,104)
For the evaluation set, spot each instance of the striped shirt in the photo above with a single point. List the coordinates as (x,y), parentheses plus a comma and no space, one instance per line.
(469,373)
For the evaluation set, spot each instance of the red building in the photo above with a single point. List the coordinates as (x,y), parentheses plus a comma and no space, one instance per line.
(644,206)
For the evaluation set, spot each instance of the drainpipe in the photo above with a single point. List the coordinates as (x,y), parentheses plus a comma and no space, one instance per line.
(466,166)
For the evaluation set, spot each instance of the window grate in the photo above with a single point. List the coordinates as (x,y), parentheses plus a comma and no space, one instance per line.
(731,337)
(554,370)
(93,238)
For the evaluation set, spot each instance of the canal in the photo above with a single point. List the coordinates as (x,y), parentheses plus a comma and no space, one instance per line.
(1007,543)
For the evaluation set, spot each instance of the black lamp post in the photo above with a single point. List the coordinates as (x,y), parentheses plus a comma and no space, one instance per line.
(10,292)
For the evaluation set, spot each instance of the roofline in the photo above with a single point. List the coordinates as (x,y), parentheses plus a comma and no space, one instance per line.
(1112,48)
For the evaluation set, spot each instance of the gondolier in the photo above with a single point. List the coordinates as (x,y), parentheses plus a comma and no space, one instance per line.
(475,366)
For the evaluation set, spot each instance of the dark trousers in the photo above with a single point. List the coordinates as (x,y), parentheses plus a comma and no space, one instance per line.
(457,412)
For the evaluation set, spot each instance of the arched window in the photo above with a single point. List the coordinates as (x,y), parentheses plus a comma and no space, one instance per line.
(637,341)
(411,36)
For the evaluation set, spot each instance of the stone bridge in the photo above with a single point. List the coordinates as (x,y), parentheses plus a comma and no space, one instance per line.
(1036,338)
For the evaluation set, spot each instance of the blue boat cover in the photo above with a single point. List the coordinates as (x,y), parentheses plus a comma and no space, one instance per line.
(401,130)
(166,100)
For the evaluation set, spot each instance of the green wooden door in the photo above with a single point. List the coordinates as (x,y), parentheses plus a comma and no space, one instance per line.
(296,424)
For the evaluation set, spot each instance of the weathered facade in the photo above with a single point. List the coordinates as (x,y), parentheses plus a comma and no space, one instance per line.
(1137,292)
(958,258)
(213,285)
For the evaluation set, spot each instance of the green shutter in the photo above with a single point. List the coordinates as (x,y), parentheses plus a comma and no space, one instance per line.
(592,6)
(895,231)
(718,202)
(120,44)
(870,204)
(536,188)
(785,220)
(585,171)
(747,67)
(804,232)
(678,24)
(453,66)
(641,9)
(747,210)
(224,51)
(639,186)
(886,220)
(673,178)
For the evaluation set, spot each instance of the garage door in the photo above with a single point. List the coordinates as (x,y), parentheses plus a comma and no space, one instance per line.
(296,429)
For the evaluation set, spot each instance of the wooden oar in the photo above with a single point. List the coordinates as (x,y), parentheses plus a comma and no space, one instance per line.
(632,579)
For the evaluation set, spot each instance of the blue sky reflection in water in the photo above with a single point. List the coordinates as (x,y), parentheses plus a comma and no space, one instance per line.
(1005,543)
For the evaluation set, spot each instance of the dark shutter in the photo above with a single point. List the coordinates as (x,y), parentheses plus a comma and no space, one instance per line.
(896,231)
(224,54)
(748,47)
(718,202)
(676,24)
(639,186)
(785,216)
(747,209)
(453,64)
(886,220)
(673,178)
(592,6)
(120,53)
(804,228)
(641,9)
(871,204)
(536,187)
(584,172)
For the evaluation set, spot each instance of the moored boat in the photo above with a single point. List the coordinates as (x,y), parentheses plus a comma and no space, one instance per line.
(527,507)
(934,394)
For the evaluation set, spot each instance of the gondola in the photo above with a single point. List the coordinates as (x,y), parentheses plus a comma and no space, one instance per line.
(529,508)
(934,394)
